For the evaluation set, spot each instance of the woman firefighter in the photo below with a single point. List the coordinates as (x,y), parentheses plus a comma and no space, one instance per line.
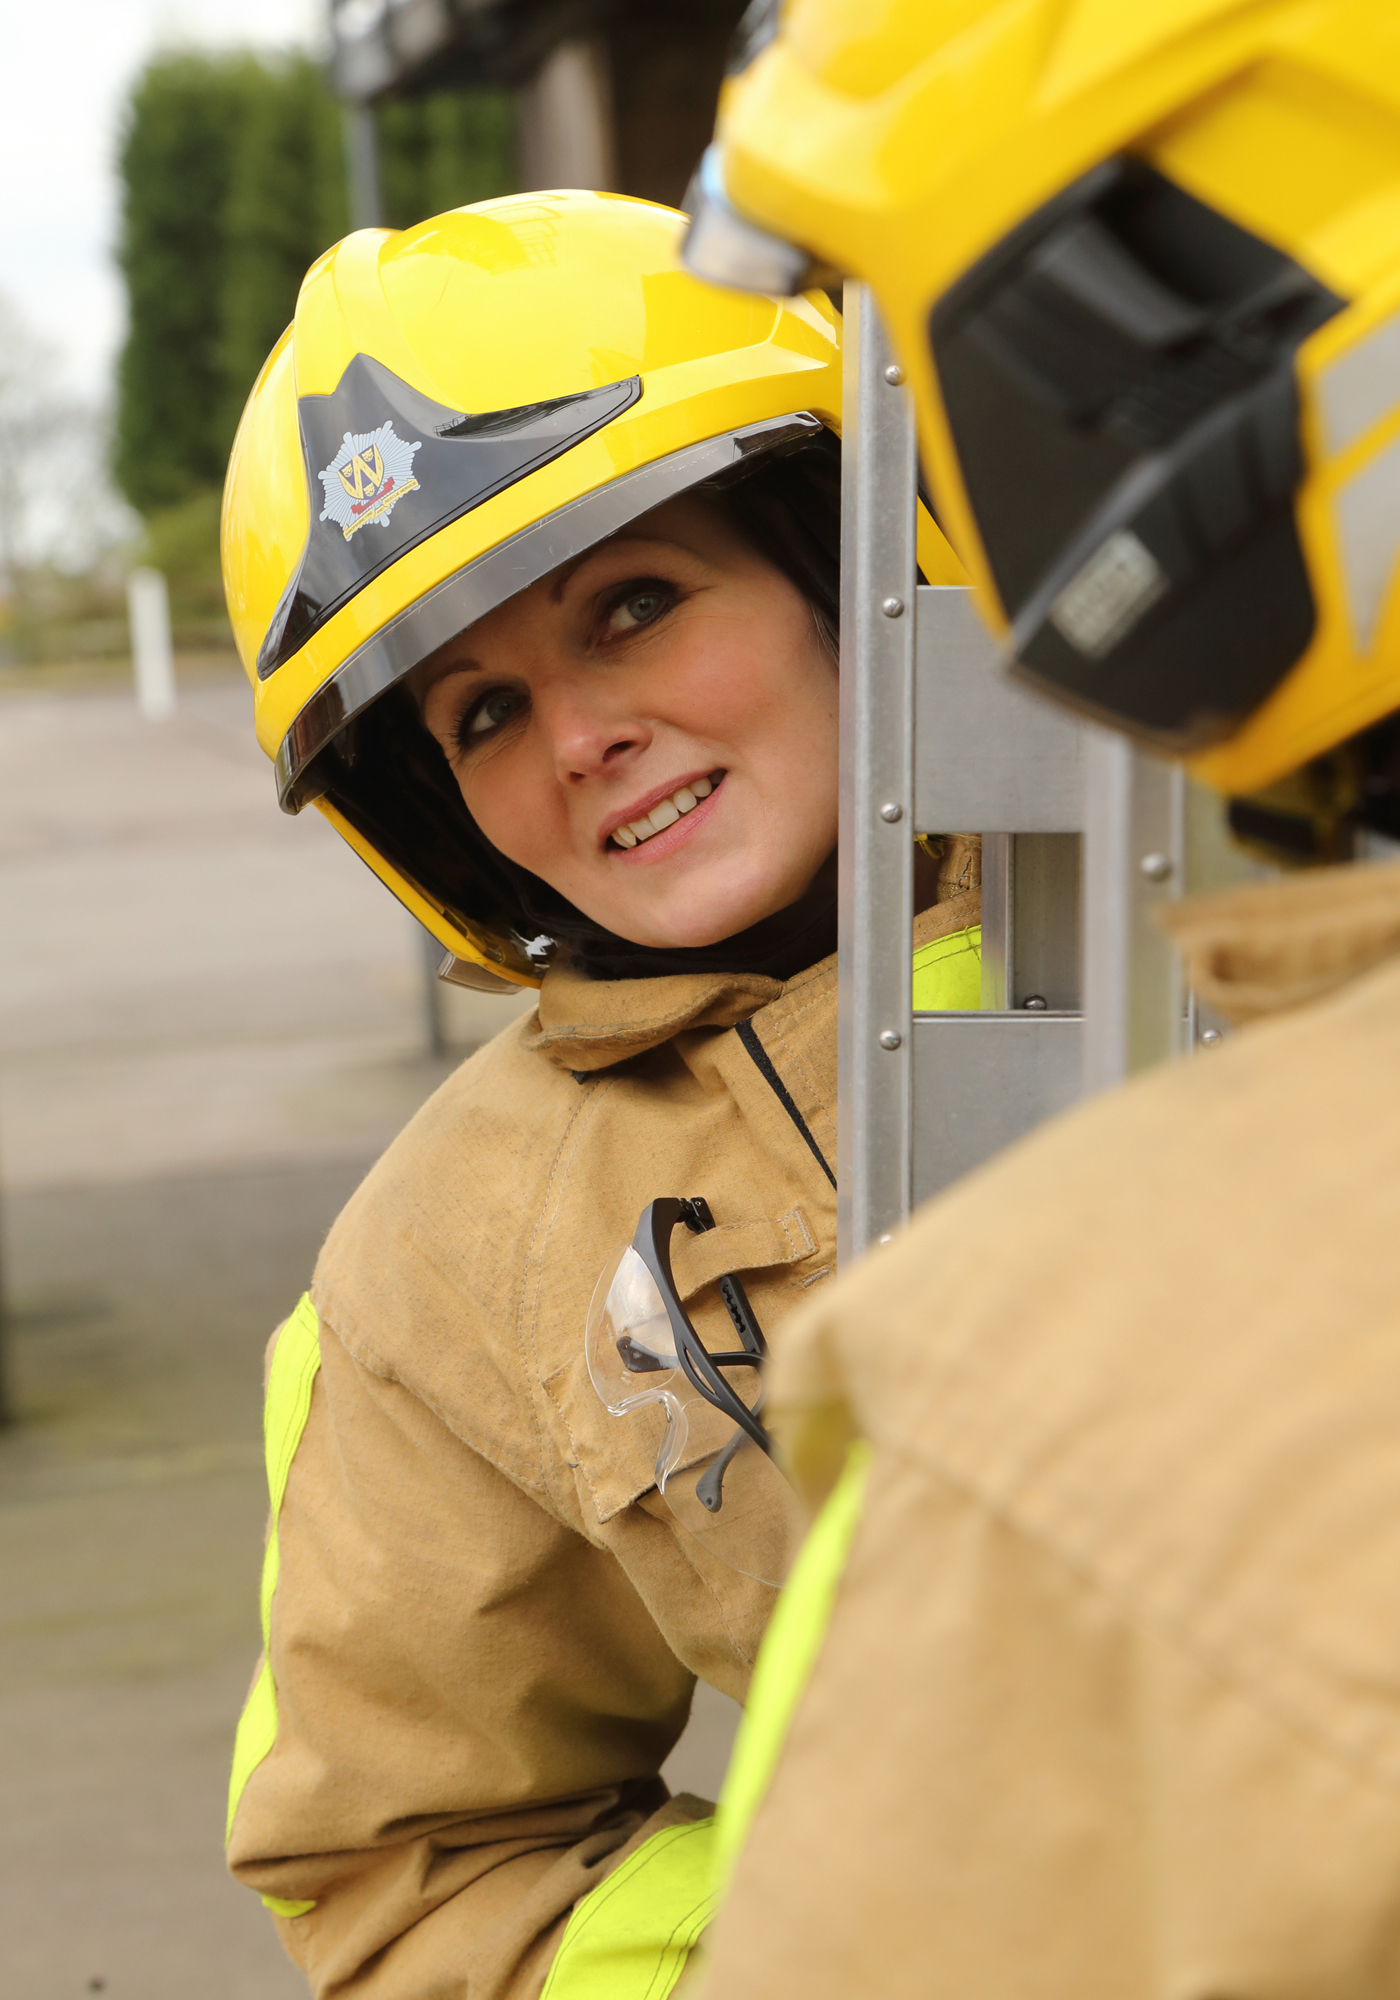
(531,549)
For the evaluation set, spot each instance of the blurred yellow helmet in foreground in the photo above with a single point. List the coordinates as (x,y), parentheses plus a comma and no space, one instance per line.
(457,409)
(1140,260)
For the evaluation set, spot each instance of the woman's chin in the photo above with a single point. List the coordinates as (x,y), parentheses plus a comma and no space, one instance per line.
(692,925)
(677,937)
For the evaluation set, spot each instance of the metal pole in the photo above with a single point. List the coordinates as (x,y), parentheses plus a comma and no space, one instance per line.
(566,120)
(878,577)
(152,657)
(434,1021)
(362,174)
(7,1406)
(1134,856)
(998,907)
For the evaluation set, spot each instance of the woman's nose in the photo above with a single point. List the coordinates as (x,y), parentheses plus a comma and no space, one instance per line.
(589,732)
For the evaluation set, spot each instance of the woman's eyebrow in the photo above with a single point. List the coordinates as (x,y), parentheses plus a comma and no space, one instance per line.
(444,672)
(560,578)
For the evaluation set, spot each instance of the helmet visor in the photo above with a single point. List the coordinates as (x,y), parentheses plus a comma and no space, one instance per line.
(305,771)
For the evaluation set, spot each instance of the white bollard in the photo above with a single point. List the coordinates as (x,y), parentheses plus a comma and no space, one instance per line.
(148,612)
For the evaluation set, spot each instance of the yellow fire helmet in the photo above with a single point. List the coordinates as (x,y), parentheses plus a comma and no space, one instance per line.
(1140,261)
(457,409)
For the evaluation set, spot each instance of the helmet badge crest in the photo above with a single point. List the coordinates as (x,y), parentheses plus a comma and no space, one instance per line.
(367,478)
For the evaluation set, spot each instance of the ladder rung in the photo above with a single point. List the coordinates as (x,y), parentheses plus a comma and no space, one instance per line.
(982,1080)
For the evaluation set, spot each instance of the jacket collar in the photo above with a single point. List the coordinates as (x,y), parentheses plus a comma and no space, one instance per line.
(586,1024)
(1275,945)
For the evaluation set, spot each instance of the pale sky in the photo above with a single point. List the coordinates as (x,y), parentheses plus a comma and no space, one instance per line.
(69,65)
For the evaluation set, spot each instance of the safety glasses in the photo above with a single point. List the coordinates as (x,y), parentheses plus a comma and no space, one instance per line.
(714,1463)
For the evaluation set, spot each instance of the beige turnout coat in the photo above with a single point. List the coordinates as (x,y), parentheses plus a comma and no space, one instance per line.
(486,1626)
(1109,1703)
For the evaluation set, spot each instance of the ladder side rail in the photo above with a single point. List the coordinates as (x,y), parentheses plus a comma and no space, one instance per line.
(876,892)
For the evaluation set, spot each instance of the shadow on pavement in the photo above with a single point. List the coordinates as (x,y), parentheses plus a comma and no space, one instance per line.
(132,1504)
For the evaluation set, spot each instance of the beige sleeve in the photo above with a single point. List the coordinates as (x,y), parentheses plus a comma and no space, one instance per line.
(472,1709)
(999,1782)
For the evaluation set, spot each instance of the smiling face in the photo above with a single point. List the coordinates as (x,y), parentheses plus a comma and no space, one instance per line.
(651,729)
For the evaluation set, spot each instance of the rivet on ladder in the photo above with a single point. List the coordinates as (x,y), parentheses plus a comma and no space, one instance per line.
(891,812)
(893,607)
(890,1038)
(1156,867)
(894,374)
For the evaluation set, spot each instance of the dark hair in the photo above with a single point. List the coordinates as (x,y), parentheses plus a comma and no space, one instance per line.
(391,781)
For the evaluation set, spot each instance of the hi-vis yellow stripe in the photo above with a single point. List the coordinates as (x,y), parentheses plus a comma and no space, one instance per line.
(629,1938)
(295,1360)
(786,1659)
(948,973)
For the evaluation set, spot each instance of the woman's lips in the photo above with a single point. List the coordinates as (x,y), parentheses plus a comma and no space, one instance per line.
(657,810)
(665,842)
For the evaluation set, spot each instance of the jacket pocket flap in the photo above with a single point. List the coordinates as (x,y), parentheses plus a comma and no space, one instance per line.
(617,1455)
(738,1246)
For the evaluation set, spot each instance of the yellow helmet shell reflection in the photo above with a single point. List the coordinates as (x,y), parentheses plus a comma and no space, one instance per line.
(907,145)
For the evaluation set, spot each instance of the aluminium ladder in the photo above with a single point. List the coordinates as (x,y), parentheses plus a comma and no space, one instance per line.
(1082,836)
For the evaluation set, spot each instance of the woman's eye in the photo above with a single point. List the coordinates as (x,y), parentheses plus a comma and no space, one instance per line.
(501,705)
(639,607)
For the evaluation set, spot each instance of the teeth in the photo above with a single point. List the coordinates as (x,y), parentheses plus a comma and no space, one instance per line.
(683,800)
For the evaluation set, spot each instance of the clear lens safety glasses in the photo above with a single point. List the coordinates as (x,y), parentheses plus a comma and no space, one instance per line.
(714,1464)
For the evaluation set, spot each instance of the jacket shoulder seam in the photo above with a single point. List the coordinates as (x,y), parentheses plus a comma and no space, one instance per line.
(1219,1659)
(527,1324)
(518,1472)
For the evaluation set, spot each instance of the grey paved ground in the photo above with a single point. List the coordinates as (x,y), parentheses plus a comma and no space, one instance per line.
(187,977)
(210,1022)
(131,1512)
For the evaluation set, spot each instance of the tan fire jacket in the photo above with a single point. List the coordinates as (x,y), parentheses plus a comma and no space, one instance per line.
(484,1626)
(1109,1703)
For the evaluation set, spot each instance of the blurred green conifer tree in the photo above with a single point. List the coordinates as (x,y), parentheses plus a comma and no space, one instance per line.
(177,166)
(440,151)
(233,179)
(286,202)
